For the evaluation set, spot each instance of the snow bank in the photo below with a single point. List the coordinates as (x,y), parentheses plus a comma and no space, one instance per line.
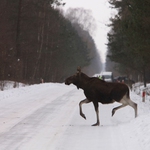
(45,116)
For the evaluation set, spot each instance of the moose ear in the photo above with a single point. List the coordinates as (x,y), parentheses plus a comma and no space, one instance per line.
(79,69)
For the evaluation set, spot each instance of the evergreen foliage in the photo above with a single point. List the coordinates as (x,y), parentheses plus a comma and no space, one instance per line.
(129,38)
(36,42)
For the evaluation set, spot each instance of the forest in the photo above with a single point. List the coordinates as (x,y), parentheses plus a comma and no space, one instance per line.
(129,38)
(37,42)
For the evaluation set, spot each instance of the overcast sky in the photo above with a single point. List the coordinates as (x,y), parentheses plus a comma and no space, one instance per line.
(101,12)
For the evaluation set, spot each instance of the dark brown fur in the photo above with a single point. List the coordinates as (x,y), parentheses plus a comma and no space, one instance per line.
(97,90)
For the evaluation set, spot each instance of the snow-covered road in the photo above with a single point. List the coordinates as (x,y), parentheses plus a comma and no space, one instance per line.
(46,117)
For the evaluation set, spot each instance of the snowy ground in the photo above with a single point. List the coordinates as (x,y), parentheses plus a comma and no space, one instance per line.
(46,117)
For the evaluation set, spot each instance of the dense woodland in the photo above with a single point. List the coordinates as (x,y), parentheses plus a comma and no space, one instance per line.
(129,37)
(38,42)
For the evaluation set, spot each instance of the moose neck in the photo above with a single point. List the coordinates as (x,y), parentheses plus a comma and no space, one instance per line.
(82,81)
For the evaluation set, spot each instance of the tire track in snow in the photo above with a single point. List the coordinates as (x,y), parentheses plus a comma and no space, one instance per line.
(115,133)
(56,125)
(46,122)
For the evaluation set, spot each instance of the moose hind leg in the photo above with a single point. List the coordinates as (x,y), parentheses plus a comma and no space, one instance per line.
(116,108)
(133,105)
(126,101)
(123,101)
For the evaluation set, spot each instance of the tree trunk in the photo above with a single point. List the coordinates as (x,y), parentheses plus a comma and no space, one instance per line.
(144,76)
(41,36)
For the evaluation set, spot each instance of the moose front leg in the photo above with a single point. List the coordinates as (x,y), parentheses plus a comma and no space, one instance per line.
(97,114)
(85,101)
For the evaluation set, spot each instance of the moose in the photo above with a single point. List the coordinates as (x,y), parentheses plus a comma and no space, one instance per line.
(97,90)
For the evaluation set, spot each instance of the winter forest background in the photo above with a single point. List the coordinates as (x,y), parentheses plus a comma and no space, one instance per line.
(38,41)
(129,39)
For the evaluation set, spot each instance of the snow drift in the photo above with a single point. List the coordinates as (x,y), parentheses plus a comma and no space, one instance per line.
(46,117)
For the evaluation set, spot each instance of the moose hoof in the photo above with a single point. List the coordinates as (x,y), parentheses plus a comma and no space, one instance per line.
(96,124)
(83,116)
(113,112)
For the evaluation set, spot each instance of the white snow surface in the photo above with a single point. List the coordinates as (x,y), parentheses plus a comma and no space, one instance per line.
(46,117)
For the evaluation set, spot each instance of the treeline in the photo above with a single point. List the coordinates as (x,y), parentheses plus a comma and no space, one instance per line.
(85,25)
(129,38)
(38,42)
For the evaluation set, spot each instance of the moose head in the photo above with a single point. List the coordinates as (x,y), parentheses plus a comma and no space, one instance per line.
(74,79)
